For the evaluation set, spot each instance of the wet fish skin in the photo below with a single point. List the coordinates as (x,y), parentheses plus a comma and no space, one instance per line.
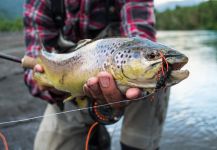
(133,62)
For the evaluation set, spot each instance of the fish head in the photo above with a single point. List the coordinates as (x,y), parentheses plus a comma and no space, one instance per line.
(148,64)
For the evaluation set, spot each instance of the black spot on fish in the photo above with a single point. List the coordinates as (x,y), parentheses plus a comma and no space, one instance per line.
(122,55)
(61,81)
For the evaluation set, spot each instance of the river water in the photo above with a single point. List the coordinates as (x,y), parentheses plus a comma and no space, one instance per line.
(192,115)
(191,122)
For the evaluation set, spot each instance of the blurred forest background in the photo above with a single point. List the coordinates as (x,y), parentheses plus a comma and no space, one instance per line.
(11,15)
(192,16)
(202,16)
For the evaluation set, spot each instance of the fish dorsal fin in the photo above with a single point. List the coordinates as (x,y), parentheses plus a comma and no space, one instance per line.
(64,45)
(82,43)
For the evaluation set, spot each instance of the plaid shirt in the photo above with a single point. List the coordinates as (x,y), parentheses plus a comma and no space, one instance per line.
(83,17)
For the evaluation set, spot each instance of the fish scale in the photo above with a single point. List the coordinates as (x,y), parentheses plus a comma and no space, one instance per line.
(133,62)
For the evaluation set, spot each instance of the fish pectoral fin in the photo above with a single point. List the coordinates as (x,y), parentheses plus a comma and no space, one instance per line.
(70,98)
(42,79)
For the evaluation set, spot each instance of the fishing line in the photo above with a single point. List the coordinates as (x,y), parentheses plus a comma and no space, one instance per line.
(74,110)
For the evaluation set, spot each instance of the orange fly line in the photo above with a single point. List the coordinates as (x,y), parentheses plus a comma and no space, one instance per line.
(4,140)
(88,135)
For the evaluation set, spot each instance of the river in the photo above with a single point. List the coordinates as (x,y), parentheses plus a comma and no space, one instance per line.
(192,115)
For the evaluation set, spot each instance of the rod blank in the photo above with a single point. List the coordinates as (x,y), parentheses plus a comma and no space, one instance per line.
(11,58)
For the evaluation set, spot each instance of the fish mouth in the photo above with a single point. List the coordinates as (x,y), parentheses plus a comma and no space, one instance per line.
(177,76)
(171,73)
(176,63)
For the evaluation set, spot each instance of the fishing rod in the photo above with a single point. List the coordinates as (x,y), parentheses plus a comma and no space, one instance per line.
(11,58)
(26,61)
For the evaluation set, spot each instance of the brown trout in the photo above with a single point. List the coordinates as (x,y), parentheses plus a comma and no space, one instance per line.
(133,62)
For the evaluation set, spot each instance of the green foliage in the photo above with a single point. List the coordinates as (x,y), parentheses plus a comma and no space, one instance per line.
(202,16)
(11,25)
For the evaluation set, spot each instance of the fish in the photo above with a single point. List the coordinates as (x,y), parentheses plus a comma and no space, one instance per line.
(133,62)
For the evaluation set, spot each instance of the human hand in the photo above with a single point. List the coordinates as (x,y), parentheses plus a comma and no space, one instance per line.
(103,89)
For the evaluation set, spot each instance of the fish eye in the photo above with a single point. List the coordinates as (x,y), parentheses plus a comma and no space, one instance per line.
(152,55)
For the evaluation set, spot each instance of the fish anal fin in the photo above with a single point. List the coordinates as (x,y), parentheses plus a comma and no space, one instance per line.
(70,98)
(81,101)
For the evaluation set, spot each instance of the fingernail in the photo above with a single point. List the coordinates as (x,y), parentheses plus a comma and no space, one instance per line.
(104,82)
(38,68)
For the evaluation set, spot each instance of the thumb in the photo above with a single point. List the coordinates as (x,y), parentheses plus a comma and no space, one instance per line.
(38,68)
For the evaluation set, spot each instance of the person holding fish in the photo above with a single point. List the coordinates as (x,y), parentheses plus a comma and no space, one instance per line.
(143,120)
